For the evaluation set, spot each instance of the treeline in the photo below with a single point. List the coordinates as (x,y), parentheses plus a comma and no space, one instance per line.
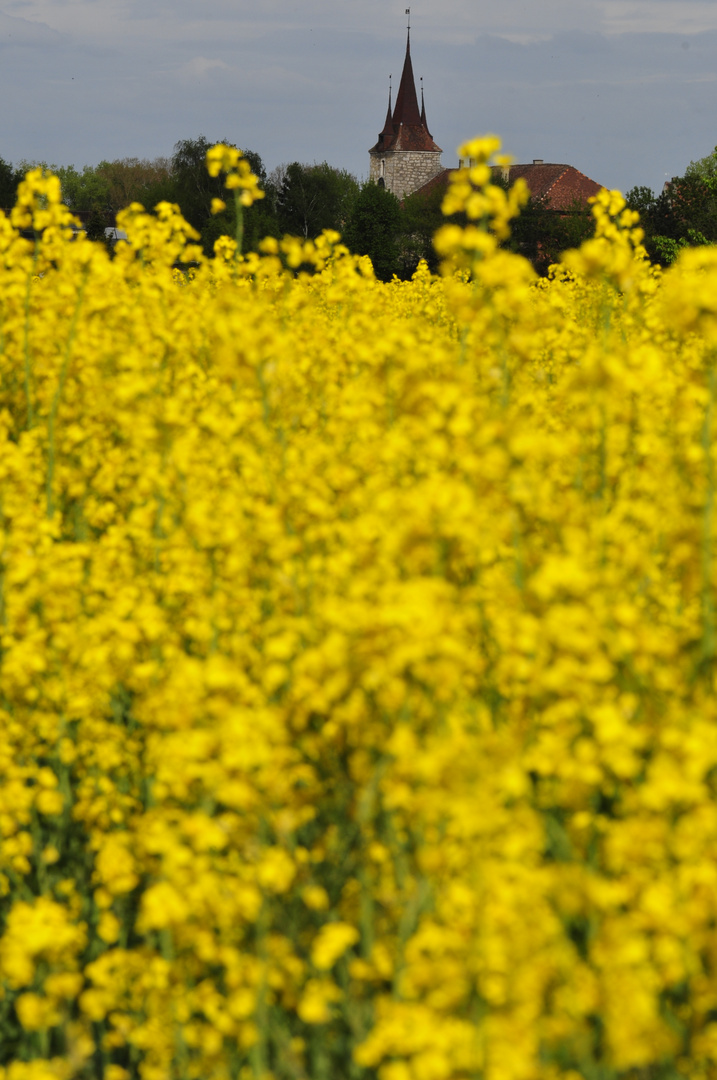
(303,199)
(300,199)
(684,214)
(98,192)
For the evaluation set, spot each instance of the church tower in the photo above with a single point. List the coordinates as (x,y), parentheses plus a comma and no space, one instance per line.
(405,156)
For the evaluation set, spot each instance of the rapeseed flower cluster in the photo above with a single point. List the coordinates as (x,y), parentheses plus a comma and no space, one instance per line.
(358,650)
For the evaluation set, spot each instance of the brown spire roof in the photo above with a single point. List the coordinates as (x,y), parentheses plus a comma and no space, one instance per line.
(423,109)
(388,126)
(406,111)
(406,129)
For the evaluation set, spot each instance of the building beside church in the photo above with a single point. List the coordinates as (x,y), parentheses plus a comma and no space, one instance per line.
(405,156)
(561,188)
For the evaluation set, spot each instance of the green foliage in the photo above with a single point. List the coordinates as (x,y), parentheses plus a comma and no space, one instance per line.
(84,191)
(542,233)
(642,199)
(99,192)
(193,189)
(9,179)
(315,197)
(421,217)
(373,228)
(667,249)
(137,180)
(539,233)
(683,215)
(24,165)
(705,168)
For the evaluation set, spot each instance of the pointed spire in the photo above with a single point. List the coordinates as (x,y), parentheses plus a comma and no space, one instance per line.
(405,127)
(423,109)
(406,110)
(388,126)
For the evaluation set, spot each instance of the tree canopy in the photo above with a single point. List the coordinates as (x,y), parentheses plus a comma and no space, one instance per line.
(315,197)
(373,228)
(421,216)
(9,179)
(705,168)
(194,189)
(136,180)
(684,214)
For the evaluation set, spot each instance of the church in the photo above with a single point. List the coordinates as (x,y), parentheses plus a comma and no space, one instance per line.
(406,159)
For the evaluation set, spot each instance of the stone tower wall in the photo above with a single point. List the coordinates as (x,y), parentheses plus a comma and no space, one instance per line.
(405,170)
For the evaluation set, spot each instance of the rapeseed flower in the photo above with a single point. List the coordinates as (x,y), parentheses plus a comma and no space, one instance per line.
(358,641)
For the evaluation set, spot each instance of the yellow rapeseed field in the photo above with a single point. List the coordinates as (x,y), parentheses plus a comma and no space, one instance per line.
(358,655)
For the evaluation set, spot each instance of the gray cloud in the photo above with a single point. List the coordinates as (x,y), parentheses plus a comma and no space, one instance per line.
(16,32)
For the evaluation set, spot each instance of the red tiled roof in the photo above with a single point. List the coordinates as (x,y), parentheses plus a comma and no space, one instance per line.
(440,180)
(559,187)
(413,137)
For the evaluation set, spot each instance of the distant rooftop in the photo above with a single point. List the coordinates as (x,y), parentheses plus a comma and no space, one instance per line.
(559,187)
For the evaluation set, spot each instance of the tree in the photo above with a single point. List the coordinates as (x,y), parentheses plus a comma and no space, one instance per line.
(421,217)
(194,190)
(541,234)
(683,215)
(143,180)
(83,191)
(9,179)
(373,227)
(642,199)
(24,165)
(705,168)
(315,197)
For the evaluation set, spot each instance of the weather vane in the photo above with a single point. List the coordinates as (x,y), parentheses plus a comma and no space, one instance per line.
(408,12)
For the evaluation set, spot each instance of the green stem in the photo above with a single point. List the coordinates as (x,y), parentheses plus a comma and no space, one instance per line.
(258,1053)
(28,389)
(708,608)
(51,420)
(239,233)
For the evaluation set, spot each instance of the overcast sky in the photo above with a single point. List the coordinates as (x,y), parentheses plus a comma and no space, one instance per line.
(624,90)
